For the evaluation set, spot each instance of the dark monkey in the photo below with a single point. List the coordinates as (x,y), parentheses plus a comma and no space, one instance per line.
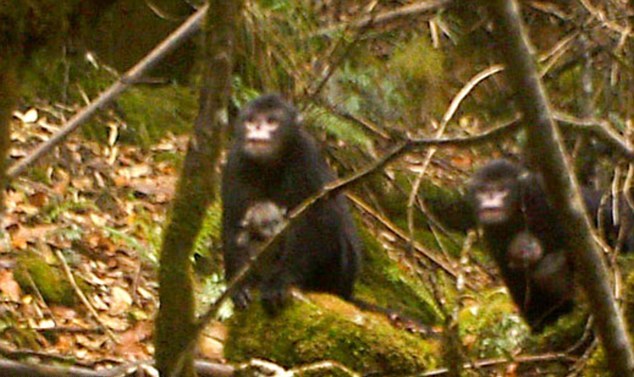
(525,240)
(274,160)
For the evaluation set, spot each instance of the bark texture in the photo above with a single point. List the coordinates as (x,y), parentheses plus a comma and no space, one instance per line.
(175,324)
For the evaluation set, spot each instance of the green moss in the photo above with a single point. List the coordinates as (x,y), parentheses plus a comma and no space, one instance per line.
(151,113)
(148,112)
(327,328)
(490,324)
(562,334)
(384,282)
(50,280)
(422,69)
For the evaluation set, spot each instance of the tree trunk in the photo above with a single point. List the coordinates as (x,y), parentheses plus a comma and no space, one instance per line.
(8,98)
(175,323)
(545,151)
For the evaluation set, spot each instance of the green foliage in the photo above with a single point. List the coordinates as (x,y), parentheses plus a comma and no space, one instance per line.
(53,210)
(31,270)
(367,91)
(422,72)
(210,232)
(596,366)
(341,129)
(276,49)
(210,290)
(49,78)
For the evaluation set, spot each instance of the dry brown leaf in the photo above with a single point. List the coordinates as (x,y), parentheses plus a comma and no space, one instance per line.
(30,116)
(38,199)
(161,187)
(65,343)
(24,235)
(8,286)
(82,183)
(63,312)
(136,171)
(132,342)
(210,348)
(120,301)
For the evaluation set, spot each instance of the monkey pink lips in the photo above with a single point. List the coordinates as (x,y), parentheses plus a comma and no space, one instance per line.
(491,214)
(258,144)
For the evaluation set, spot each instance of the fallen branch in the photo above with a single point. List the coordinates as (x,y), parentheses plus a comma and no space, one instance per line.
(555,357)
(10,368)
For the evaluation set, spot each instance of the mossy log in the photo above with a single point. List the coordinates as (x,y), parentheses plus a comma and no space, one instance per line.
(324,327)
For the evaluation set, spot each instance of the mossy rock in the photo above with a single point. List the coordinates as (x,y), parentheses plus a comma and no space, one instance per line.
(324,327)
(50,280)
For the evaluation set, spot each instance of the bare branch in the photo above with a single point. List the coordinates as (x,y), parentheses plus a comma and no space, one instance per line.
(598,128)
(408,10)
(186,30)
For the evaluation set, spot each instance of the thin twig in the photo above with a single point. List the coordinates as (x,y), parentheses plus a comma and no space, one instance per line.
(402,234)
(550,357)
(599,128)
(405,11)
(82,296)
(601,17)
(451,111)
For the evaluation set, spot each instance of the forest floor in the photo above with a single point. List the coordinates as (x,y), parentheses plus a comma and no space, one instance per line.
(96,208)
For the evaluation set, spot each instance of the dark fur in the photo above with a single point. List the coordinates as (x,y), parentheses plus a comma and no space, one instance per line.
(320,251)
(544,290)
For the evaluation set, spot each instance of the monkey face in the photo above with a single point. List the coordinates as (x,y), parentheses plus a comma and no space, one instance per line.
(494,202)
(262,137)
(263,219)
(495,192)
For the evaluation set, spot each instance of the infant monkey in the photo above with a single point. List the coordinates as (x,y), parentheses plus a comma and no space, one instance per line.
(261,221)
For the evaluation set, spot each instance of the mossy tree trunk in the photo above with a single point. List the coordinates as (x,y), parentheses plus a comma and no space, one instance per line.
(175,324)
(545,151)
(8,98)
(11,56)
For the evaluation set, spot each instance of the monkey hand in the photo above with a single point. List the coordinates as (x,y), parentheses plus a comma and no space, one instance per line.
(242,298)
(274,297)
